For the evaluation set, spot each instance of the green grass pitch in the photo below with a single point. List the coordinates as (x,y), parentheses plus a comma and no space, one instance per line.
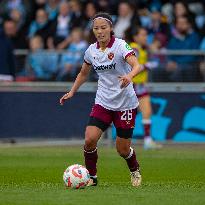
(33,176)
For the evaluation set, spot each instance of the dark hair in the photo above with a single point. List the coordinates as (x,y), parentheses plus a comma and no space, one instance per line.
(190,16)
(184,3)
(138,29)
(103,15)
(184,17)
(131,32)
(106,16)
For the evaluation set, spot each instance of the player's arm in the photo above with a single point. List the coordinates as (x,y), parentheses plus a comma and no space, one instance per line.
(80,79)
(136,68)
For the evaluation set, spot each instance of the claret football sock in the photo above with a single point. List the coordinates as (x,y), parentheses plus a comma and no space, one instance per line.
(149,143)
(131,161)
(91,158)
(147,124)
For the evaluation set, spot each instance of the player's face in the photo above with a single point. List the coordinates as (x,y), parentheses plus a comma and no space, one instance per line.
(182,25)
(141,37)
(101,30)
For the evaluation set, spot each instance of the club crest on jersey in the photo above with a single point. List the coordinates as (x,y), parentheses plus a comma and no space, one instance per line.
(110,56)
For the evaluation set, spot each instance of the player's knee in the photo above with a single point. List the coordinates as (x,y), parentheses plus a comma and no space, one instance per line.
(90,141)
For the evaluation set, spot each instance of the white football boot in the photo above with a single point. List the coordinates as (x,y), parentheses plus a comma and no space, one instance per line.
(136,178)
(151,144)
(93,181)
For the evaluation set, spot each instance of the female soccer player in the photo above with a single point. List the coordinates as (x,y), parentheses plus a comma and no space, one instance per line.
(116,64)
(140,47)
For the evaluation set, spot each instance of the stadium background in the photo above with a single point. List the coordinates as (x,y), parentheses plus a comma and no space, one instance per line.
(39,139)
(37,47)
(34,112)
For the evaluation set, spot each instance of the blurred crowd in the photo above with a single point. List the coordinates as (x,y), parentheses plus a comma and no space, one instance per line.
(56,34)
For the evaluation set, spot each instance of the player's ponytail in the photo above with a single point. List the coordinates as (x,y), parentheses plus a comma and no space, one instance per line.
(112,33)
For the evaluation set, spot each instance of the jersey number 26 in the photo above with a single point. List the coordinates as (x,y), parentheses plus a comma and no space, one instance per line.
(126,115)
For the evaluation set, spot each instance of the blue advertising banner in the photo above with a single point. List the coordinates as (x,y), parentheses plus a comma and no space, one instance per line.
(176,116)
(39,115)
(180,117)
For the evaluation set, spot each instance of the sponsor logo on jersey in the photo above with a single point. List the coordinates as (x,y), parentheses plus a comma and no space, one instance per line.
(110,56)
(105,67)
(128,47)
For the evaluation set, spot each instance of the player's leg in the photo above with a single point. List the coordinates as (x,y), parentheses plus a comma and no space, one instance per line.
(92,135)
(146,110)
(125,150)
(124,122)
(99,121)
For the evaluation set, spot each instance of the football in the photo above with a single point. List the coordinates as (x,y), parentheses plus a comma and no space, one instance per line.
(76,176)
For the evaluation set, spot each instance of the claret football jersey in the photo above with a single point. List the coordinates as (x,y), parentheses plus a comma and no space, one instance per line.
(109,64)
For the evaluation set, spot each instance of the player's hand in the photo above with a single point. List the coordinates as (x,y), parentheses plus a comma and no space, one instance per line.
(66,97)
(125,80)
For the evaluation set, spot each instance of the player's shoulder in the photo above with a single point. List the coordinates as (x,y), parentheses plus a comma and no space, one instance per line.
(120,41)
(124,46)
(90,50)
